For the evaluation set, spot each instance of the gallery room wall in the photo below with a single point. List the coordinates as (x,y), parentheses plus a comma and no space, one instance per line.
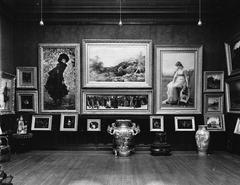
(27,36)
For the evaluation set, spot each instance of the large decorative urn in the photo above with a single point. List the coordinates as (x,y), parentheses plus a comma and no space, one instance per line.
(202,137)
(123,132)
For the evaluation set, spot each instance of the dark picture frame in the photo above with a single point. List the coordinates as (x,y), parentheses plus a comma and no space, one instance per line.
(69,122)
(213,81)
(41,123)
(27,101)
(94,125)
(232,94)
(26,77)
(184,123)
(237,127)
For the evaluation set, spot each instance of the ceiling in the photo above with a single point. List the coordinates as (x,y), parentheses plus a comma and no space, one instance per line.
(133,11)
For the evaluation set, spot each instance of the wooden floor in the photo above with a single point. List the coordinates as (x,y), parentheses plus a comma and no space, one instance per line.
(102,168)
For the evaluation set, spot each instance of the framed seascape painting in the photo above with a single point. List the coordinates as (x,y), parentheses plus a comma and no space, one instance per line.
(178,74)
(213,103)
(157,123)
(69,122)
(232,49)
(117,102)
(237,127)
(93,124)
(42,122)
(214,122)
(213,81)
(59,77)
(26,77)
(184,123)
(7,93)
(117,63)
(27,101)
(232,95)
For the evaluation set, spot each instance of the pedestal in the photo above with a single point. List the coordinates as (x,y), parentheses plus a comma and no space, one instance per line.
(160,146)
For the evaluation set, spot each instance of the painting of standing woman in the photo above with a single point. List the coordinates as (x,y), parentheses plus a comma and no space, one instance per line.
(58,78)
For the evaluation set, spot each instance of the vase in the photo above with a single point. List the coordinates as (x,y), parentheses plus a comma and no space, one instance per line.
(123,132)
(202,137)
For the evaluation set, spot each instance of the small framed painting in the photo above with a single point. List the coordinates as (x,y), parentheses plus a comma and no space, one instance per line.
(214,122)
(7,93)
(184,123)
(26,77)
(213,103)
(156,123)
(27,101)
(232,95)
(237,127)
(93,124)
(42,122)
(213,81)
(69,122)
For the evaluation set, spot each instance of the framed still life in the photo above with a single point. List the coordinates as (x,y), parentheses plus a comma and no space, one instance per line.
(232,95)
(232,49)
(213,103)
(59,77)
(26,77)
(178,75)
(117,63)
(27,101)
(116,102)
(213,81)
(41,122)
(237,127)
(157,123)
(214,122)
(69,122)
(93,124)
(7,93)
(184,123)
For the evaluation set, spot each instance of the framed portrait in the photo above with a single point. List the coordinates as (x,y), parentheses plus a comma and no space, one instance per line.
(232,95)
(117,102)
(213,103)
(26,77)
(214,122)
(59,77)
(41,122)
(186,123)
(213,81)
(237,127)
(27,101)
(178,74)
(232,49)
(156,123)
(117,63)
(69,122)
(93,124)
(7,93)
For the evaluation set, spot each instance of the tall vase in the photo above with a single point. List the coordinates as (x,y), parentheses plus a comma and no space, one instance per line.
(202,137)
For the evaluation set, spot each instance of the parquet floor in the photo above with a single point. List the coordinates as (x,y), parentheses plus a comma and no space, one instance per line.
(102,168)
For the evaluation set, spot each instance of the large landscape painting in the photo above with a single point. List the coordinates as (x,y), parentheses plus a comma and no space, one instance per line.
(117,63)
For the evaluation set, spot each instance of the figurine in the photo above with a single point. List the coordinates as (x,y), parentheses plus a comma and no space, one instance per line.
(22,129)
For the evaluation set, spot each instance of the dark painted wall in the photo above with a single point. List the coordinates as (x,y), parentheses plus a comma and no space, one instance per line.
(27,37)
(6,46)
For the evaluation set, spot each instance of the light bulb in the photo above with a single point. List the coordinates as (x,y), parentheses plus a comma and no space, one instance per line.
(120,23)
(199,22)
(41,23)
